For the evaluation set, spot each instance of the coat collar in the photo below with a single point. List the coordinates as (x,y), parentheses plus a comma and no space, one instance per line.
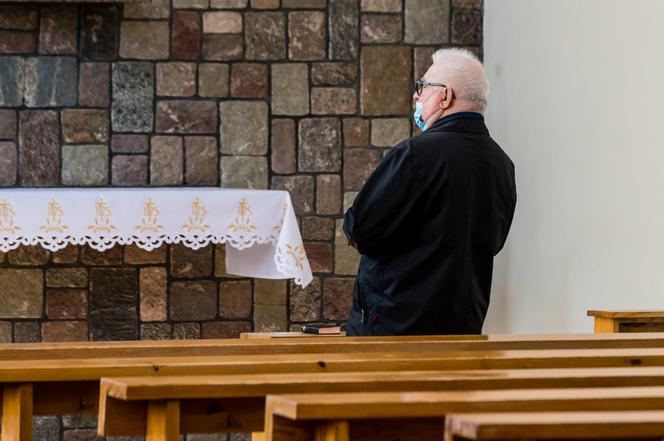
(460,122)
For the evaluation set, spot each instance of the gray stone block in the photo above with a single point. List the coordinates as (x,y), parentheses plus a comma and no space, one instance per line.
(84,165)
(320,145)
(133,97)
(186,331)
(8,158)
(389,132)
(51,81)
(156,331)
(265,35)
(243,127)
(12,81)
(290,89)
(21,293)
(427,21)
(201,160)
(344,29)
(46,428)
(5,332)
(129,170)
(301,190)
(167,161)
(27,332)
(7,124)
(79,421)
(39,148)
(244,172)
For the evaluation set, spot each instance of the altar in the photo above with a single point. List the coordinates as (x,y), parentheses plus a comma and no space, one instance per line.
(259,227)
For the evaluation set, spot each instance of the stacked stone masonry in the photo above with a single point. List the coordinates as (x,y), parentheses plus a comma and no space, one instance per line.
(298,95)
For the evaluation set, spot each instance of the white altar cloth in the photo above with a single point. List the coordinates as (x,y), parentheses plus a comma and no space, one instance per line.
(259,226)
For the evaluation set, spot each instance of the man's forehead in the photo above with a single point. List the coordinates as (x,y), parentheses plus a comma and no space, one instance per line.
(427,74)
(431,72)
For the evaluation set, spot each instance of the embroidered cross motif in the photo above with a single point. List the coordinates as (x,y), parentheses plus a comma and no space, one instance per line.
(7,215)
(149,221)
(197,217)
(54,219)
(243,218)
(102,222)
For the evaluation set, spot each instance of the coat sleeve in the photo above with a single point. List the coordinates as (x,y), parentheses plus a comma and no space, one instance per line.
(385,206)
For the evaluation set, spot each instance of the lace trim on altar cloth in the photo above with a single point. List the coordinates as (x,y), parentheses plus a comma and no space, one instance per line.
(148,243)
(289,260)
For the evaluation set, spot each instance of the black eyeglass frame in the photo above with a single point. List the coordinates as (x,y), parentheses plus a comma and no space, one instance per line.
(419,86)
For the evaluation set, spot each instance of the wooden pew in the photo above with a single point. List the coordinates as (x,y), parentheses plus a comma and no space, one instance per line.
(126,404)
(606,425)
(67,386)
(422,415)
(628,321)
(186,348)
(80,377)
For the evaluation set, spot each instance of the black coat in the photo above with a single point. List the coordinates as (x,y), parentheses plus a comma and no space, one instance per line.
(428,223)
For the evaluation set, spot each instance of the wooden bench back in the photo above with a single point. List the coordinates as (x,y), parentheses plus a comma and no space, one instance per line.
(424,404)
(556,425)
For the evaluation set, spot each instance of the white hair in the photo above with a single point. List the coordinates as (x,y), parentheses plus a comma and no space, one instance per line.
(471,76)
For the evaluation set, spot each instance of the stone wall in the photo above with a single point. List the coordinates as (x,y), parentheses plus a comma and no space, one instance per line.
(301,95)
(305,96)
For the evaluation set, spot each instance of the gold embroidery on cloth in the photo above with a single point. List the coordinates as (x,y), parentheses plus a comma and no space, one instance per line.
(7,215)
(298,255)
(277,228)
(197,217)
(102,221)
(54,219)
(149,221)
(243,218)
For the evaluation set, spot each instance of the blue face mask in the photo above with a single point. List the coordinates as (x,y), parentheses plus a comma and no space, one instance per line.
(417,116)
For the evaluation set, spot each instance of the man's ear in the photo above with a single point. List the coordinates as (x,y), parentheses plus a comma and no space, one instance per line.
(448,97)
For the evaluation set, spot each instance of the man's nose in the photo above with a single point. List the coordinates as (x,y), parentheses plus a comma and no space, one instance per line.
(416,97)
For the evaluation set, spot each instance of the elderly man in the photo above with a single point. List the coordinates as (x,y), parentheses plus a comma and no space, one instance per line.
(435,212)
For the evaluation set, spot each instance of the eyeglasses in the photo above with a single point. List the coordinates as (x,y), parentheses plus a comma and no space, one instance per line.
(419,86)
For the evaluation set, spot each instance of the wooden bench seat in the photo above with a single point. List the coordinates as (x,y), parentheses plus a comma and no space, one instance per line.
(234,346)
(213,347)
(94,369)
(181,348)
(422,415)
(632,425)
(125,403)
(628,321)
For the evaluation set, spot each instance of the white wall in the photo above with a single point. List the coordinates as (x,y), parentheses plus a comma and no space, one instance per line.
(577,89)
